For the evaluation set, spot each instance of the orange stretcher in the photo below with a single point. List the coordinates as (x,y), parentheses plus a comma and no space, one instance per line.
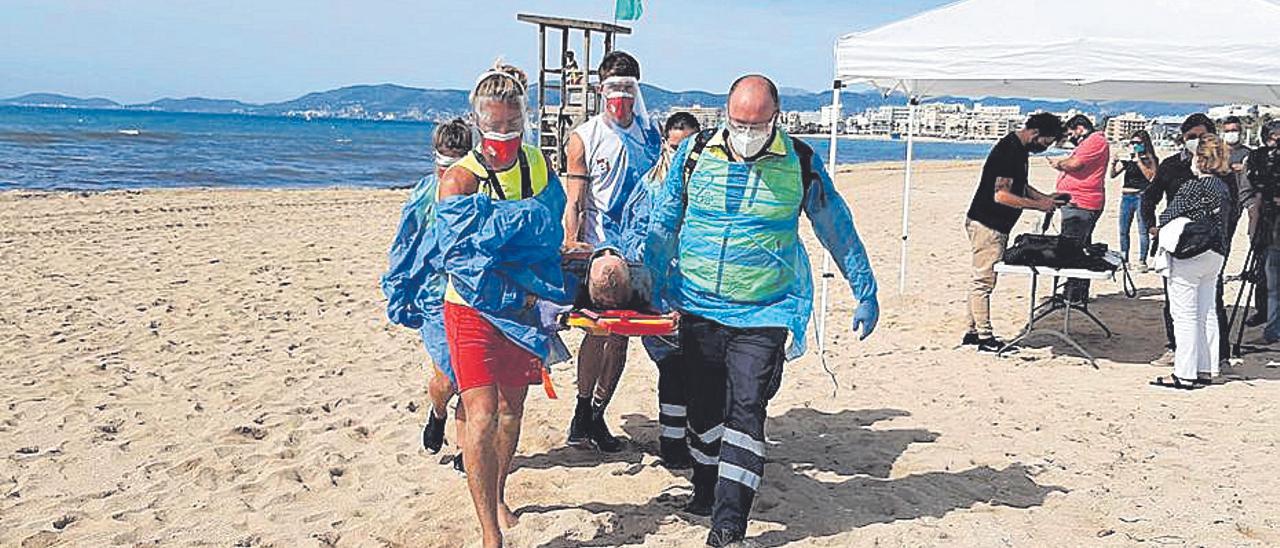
(626,323)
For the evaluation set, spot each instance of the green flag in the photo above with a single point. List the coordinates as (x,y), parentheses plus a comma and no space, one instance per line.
(628,10)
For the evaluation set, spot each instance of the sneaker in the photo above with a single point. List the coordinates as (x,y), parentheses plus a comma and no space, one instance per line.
(598,434)
(433,433)
(971,339)
(1165,360)
(1255,320)
(720,538)
(581,423)
(457,465)
(675,454)
(990,345)
(1142,268)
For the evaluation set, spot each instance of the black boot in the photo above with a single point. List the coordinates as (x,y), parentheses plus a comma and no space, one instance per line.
(599,434)
(703,499)
(675,454)
(433,432)
(721,538)
(578,429)
(458,466)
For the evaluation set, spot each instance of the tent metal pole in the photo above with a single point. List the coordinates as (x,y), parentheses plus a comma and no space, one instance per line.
(826,255)
(906,191)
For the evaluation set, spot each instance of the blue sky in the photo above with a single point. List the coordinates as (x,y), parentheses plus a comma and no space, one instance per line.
(271,50)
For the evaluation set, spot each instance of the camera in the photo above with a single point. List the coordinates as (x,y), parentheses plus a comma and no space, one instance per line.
(1264,178)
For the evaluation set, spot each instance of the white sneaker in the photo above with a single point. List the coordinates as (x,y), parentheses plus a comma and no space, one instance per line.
(1165,360)
(1142,268)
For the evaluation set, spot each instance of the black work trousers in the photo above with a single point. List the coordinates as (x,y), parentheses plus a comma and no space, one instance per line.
(673,411)
(731,373)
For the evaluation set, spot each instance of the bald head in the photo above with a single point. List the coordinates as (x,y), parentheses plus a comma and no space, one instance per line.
(609,282)
(753,99)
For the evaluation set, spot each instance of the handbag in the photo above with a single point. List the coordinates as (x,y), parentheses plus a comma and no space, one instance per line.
(1197,237)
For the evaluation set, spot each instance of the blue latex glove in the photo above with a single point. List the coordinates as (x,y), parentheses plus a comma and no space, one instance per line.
(866,316)
(549,315)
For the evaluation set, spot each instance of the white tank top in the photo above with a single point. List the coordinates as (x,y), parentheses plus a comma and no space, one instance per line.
(606,159)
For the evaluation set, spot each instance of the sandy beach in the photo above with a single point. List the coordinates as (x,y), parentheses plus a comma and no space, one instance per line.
(214,367)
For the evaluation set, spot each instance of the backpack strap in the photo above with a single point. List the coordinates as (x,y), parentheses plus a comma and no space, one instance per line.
(526,182)
(805,153)
(699,144)
(491,178)
(691,162)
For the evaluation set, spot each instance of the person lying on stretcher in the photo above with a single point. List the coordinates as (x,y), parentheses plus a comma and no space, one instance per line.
(613,295)
(607,281)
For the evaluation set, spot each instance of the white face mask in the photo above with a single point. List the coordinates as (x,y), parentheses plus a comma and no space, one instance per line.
(1231,137)
(749,142)
(1191,146)
(443,162)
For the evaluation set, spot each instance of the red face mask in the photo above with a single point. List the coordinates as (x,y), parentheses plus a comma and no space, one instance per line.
(621,108)
(500,148)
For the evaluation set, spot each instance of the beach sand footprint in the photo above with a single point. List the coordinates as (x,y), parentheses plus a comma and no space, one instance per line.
(794,506)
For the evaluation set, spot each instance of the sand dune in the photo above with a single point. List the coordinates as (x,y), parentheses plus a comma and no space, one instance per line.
(214,368)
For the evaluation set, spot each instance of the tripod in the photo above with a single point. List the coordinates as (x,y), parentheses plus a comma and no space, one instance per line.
(1255,264)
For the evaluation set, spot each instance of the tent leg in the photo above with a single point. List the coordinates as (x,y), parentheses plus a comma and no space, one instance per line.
(821,324)
(906,192)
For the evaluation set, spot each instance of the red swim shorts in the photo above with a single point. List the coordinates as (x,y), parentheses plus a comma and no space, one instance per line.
(482,356)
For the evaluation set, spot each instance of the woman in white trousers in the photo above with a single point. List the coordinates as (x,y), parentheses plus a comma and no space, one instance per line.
(1193,286)
(1193,281)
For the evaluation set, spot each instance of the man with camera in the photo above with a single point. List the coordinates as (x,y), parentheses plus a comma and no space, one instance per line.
(997,204)
(1263,169)
(1248,199)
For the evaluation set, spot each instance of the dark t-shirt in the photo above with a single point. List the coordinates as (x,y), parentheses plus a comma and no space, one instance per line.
(1134,179)
(1007,159)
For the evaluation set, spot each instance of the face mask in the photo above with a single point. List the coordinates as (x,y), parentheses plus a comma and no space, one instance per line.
(620,106)
(1036,147)
(443,162)
(1191,146)
(500,148)
(748,143)
(1139,148)
(1075,139)
(1231,137)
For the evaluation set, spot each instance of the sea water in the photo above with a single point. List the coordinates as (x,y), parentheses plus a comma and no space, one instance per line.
(85,149)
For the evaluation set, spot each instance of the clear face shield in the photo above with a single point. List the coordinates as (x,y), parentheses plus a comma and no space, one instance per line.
(500,122)
(623,101)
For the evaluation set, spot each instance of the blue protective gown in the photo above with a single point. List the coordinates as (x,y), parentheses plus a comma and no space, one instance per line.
(414,291)
(727,247)
(496,251)
(499,251)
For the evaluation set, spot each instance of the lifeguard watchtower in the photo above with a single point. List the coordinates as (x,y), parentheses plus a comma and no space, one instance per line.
(572,97)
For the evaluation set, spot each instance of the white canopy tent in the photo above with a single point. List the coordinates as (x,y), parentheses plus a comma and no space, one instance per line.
(1222,51)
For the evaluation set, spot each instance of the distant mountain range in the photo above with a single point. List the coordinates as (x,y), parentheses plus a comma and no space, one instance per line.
(394,102)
